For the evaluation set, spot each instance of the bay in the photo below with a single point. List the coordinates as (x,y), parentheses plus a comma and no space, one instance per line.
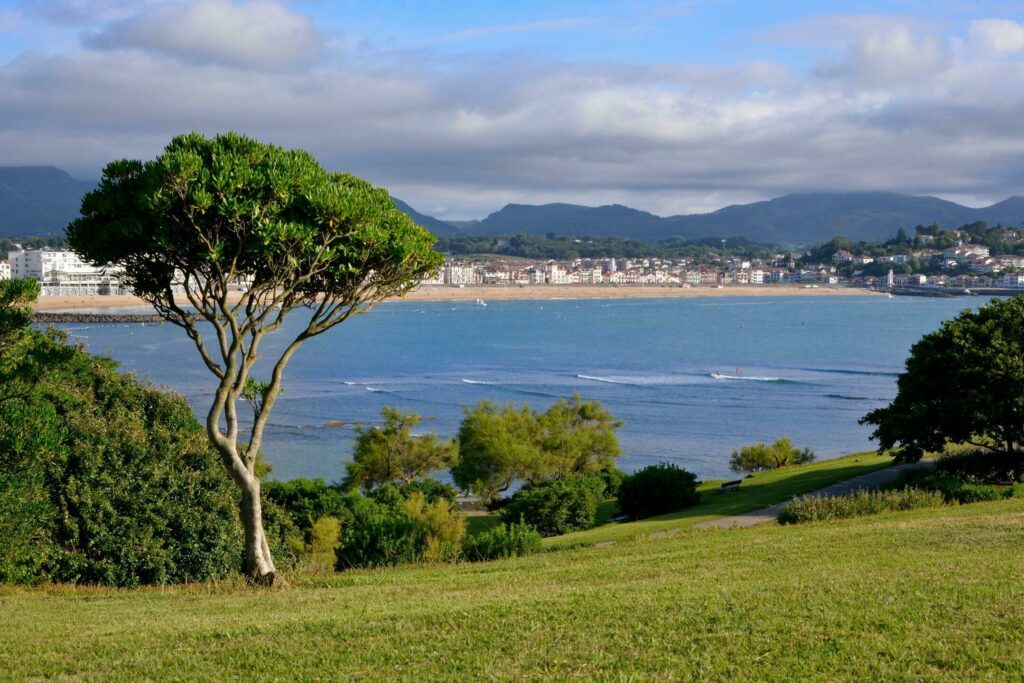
(806,367)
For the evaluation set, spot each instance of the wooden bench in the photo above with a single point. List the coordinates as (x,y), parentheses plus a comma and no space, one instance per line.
(731,485)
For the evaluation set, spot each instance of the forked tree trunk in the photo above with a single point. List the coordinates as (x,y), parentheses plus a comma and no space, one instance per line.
(258,565)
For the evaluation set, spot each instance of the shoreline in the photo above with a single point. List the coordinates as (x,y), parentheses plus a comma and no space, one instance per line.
(509,293)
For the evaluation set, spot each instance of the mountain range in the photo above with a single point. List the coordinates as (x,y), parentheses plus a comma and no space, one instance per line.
(42,200)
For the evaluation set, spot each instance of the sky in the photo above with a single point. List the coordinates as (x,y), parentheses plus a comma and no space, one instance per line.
(461,107)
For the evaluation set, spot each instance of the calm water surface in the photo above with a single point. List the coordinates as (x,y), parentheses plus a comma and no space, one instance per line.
(807,367)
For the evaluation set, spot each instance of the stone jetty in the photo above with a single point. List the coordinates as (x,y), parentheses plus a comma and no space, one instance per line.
(75,317)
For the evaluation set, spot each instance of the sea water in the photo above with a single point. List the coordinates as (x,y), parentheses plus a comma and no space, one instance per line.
(805,367)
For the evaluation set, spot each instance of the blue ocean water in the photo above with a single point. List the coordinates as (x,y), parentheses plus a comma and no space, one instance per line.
(807,367)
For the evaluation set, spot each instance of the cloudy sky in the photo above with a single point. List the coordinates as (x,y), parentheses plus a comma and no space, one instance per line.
(461,107)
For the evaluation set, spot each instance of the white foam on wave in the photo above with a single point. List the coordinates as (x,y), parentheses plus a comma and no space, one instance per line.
(607,380)
(375,390)
(476,381)
(746,378)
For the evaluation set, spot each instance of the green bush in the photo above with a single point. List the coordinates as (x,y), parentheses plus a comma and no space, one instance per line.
(815,508)
(761,457)
(323,544)
(983,467)
(657,490)
(954,489)
(503,541)
(432,489)
(557,506)
(112,481)
(612,478)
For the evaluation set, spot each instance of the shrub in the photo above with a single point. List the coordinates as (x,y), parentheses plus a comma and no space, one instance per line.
(432,489)
(612,478)
(657,490)
(760,457)
(816,508)
(119,483)
(503,541)
(987,468)
(323,544)
(438,525)
(954,489)
(558,506)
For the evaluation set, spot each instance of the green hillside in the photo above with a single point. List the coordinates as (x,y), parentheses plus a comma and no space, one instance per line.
(927,595)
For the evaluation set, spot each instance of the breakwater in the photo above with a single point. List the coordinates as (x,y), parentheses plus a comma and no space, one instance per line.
(74,317)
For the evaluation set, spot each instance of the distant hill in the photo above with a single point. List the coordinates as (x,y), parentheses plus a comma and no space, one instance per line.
(41,200)
(38,200)
(613,220)
(438,227)
(796,219)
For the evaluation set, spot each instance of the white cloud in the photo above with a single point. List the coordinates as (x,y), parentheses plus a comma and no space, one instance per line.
(253,33)
(472,132)
(883,53)
(996,36)
(566,24)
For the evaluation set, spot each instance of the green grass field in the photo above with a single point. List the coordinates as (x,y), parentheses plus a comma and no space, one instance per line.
(930,594)
(761,490)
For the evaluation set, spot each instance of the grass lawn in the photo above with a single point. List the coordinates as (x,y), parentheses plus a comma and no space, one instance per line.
(761,490)
(924,595)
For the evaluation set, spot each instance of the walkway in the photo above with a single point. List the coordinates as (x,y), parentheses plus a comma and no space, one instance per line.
(870,480)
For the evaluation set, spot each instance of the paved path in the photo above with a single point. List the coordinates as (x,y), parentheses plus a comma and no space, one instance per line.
(870,480)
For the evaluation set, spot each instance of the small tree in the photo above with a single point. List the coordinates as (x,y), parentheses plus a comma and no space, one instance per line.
(760,457)
(499,445)
(210,216)
(390,454)
(496,447)
(576,437)
(963,384)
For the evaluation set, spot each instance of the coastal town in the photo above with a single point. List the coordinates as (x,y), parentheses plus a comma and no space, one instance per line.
(919,265)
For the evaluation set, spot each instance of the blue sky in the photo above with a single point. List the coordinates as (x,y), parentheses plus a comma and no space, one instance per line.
(461,107)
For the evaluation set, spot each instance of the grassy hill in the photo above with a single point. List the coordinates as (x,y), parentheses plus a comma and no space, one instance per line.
(926,595)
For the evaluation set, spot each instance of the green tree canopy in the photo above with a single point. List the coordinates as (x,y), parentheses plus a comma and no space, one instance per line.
(499,445)
(392,454)
(243,233)
(760,457)
(963,384)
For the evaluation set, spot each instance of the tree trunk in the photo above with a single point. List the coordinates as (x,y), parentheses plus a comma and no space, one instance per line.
(259,565)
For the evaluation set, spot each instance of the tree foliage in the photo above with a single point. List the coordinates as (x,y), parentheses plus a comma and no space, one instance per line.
(499,445)
(963,383)
(212,217)
(760,457)
(392,454)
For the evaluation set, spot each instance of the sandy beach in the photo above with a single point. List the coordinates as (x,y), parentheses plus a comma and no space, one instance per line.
(502,293)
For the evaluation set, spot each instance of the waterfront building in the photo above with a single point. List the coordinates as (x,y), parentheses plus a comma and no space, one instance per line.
(5,270)
(62,273)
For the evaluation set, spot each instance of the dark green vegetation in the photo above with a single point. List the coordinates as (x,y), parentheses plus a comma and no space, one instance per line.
(962,384)
(815,508)
(564,247)
(7,243)
(760,457)
(931,594)
(557,506)
(657,490)
(103,479)
(208,213)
